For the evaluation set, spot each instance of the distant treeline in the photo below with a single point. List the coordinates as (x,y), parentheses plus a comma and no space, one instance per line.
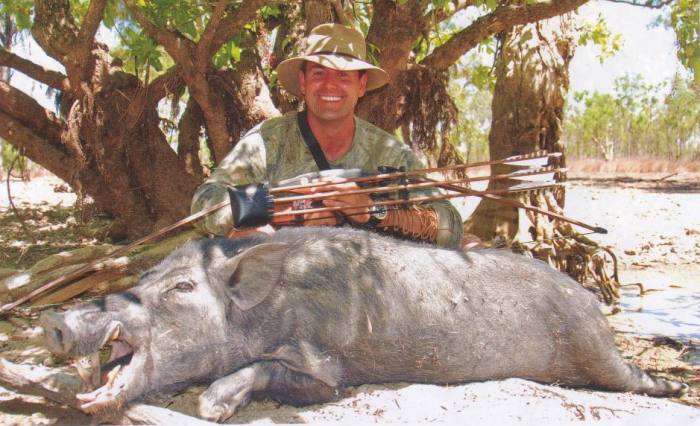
(636,120)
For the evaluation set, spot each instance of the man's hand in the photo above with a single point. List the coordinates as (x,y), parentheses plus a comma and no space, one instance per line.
(356,215)
(308,219)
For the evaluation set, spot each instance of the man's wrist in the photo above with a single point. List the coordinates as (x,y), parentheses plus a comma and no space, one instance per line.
(377,214)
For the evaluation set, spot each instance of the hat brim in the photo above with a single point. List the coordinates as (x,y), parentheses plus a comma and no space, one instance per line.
(288,70)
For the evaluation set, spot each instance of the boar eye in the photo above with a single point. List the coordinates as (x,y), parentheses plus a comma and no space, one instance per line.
(184,286)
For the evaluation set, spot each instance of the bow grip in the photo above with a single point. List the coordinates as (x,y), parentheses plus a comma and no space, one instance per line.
(251,205)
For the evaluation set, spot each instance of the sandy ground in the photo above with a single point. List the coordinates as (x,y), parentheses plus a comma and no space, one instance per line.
(655,230)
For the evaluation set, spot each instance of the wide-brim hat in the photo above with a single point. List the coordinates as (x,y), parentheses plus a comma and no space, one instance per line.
(333,46)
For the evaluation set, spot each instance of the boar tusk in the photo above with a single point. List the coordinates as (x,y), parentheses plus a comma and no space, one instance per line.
(112,376)
(115,333)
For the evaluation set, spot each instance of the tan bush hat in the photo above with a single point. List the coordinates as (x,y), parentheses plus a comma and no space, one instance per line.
(333,46)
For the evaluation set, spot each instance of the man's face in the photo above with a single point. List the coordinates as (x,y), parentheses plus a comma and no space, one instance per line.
(330,94)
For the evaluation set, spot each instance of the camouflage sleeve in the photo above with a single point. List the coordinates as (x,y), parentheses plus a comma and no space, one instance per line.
(246,163)
(450,227)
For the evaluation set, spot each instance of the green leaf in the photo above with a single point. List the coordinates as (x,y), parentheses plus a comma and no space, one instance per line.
(190,29)
(270,11)
(236,53)
(491,4)
(157,64)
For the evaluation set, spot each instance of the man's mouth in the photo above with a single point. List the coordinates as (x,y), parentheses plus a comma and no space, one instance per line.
(331,98)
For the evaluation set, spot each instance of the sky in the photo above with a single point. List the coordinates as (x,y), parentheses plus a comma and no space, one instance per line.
(647,51)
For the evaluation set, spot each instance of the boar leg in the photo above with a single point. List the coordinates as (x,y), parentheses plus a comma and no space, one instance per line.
(266,378)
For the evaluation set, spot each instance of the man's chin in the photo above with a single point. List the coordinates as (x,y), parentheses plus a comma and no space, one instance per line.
(331,115)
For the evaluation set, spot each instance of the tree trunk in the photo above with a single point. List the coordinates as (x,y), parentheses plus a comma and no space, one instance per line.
(391,40)
(531,83)
(110,144)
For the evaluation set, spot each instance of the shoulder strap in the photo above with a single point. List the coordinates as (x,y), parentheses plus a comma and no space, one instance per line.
(311,142)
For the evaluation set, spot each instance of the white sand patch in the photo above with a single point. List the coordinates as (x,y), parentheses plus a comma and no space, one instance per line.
(512,401)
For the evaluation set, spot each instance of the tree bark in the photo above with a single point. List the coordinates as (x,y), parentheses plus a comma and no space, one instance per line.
(531,83)
(391,41)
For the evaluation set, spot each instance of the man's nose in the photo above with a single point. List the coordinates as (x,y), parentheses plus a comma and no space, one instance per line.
(329,79)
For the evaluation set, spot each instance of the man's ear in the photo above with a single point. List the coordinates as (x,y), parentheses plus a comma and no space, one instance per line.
(254,273)
(364,76)
(302,81)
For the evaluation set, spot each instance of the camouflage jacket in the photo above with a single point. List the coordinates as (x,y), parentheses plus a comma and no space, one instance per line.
(275,150)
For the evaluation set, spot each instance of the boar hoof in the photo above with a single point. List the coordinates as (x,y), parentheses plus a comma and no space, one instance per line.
(214,409)
(214,413)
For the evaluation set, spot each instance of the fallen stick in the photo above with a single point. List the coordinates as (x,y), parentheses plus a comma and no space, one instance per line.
(21,284)
(143,414)
(49,383)
(79,287)
(139,257)
(667,176)
(122,275)
(60,387)
(78,255)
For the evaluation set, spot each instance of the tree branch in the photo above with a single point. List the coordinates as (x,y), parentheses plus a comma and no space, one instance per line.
(29,113)
(501,19)
(441,15)
(394,30)
(88,29)
(40,150)
(177,45)
(204,47)
(49,77)
(651,4)
(165,84)
(340,13)
(54,28)
(149,96)
(234,21)
(92,20)
(189,131)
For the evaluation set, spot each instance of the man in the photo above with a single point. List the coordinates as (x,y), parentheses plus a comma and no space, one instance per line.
(330,77)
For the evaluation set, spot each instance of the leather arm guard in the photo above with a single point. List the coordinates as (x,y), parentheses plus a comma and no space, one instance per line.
(414,223)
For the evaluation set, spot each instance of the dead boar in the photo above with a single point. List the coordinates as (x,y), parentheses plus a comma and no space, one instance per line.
(301,314)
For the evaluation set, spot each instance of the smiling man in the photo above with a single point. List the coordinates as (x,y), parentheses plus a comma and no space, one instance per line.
(330,76)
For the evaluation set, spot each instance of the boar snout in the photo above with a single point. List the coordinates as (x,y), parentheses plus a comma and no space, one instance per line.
(59,337)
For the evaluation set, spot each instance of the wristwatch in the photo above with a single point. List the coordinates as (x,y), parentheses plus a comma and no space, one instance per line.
(376,215)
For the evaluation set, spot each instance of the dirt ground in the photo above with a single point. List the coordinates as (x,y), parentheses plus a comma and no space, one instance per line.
(653,224)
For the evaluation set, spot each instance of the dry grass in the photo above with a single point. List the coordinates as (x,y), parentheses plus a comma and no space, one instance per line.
(632,166)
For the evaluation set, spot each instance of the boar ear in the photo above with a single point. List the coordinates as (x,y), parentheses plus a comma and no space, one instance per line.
(254,273)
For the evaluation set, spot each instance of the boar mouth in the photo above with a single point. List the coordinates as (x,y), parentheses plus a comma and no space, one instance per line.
(118,376)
